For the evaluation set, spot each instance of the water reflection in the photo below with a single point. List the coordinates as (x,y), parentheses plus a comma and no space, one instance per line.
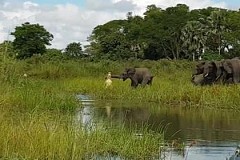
(85,114)
(216,132)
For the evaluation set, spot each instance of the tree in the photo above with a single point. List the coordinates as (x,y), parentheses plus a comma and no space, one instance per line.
(74,50)
(133,32)
(194,37)
(173,33)
(217,26)
(175,19)
(109,41)
(232,37)
(31,39)
(153,33)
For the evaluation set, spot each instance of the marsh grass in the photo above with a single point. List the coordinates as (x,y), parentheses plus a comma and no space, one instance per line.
(45,135)
(32,95)
(164,91)
(36,111)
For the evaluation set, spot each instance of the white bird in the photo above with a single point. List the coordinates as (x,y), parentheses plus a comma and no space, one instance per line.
(108,82)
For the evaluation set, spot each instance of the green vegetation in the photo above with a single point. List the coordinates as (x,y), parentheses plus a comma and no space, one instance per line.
(74,50)
(38,86)
(173,33)
(64,79)
(44,135)
(37,110)
(30,39)
(37,105)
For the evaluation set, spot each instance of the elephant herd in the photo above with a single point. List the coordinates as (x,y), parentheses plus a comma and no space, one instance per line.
(212,72)
(205,73)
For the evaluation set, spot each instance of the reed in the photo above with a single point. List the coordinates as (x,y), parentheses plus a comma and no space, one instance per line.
(36,111)
(45,135)
(54,80)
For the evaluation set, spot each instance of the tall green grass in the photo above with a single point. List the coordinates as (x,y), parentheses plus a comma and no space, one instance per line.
(62,80)
(164,91)
(36,120)
(45,135)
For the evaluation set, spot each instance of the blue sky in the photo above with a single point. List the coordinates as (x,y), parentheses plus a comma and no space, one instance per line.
(233,3)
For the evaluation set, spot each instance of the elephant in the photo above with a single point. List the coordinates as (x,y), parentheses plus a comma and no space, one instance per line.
(225,71)
(199,69)
(137,76)
(232,69)
(207,73)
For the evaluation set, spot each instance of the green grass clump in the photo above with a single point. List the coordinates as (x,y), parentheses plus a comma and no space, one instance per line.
(52,81)
(38,98)
(45,135)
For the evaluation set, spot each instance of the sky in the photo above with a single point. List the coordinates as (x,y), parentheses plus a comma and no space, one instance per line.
(74,20)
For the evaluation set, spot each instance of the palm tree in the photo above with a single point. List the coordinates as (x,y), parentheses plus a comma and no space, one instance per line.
(217,26)
(194,37)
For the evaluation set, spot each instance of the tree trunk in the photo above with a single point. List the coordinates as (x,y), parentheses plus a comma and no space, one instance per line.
(219,44)
(193,56)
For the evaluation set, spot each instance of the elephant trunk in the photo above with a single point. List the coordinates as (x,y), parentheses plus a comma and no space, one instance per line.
(116,76)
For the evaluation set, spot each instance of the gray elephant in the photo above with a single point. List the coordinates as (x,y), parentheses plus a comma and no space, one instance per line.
(225,71)
(137,76)
(208,72)
(232,69)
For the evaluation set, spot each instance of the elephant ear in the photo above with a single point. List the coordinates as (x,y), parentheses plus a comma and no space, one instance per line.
(210,68)
(214,67)
(199,68)
(227,67)
(219,72)
(131,71)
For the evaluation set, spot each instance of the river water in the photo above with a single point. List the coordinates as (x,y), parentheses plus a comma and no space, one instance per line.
(214,135)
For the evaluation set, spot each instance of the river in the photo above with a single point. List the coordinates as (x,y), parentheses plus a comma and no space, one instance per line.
(206,134)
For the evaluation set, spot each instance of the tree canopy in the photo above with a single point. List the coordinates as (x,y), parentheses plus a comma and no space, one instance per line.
(30,39)
(174,33)
(74,49)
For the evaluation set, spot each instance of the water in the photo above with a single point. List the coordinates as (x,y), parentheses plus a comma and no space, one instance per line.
(215,133)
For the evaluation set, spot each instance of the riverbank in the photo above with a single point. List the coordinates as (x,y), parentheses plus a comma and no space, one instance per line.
(38,100)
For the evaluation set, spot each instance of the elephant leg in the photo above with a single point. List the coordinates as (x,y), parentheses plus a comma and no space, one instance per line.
(134,84)
(236,78)
(150,80)
(228,79)
(146,81)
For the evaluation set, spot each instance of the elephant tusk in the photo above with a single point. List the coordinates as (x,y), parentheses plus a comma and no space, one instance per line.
(218,77)
(206,75)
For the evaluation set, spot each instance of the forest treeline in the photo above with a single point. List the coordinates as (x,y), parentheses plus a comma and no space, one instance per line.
(172,33)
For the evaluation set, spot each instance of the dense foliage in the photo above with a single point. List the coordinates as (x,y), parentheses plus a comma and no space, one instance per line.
(30,39)
(173,33)
(74,49)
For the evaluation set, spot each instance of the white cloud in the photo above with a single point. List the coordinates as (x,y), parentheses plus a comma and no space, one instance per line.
(71,23)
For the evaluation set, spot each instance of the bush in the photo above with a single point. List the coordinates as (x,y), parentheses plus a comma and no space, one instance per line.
(212,56)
